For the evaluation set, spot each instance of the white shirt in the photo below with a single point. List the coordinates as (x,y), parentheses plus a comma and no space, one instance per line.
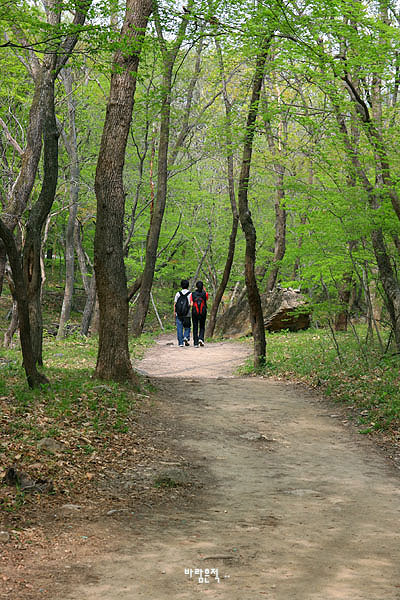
(182,292)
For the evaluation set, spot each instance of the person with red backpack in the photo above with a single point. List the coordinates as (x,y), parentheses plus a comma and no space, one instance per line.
(199,313)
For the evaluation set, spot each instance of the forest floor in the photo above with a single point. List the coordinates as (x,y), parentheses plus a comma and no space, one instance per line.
(263,483)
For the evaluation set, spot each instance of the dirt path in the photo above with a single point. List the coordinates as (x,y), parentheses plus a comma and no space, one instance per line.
(293,504)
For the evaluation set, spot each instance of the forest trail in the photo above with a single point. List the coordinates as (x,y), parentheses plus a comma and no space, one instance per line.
(294,505)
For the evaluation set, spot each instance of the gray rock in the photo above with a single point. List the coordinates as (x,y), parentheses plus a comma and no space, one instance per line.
(115,511)
(70,508)
(284,308)
(51,445)
(4,536)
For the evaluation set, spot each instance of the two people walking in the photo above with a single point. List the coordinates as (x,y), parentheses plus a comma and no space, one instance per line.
(190,307)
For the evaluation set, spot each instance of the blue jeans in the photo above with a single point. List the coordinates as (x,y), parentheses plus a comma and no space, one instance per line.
(182,332)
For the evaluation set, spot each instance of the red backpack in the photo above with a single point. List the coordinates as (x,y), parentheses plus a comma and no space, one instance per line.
(199,306)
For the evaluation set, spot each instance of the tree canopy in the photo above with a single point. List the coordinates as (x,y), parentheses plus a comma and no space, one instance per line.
(317,190)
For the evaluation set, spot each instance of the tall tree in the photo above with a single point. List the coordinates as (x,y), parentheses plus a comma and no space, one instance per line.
(277,145)
(113,361)
(232,197)
(169,51)
(42,122)
(246,221)
(71,144)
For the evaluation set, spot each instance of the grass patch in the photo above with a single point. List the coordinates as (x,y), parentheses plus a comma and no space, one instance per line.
(360,377)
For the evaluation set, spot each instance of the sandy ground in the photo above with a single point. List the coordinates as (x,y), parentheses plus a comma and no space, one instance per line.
(290,503)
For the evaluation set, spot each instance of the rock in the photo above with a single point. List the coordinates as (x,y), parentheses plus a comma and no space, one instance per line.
(286,309)
(25,483)
(280,309)
(235,320)
(11,477)
(51,445)
(115,511)
(252,436)
(70,508)
(4,536)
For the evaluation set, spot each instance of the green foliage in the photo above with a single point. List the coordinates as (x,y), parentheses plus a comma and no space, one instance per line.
(329,217)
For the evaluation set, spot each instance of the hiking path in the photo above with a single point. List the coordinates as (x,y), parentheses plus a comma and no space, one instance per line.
(288,501)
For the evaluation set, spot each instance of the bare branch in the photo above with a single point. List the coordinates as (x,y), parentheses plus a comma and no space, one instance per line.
(10,138)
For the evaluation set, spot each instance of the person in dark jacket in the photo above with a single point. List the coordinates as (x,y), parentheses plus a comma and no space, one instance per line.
(199,313)
(183,320)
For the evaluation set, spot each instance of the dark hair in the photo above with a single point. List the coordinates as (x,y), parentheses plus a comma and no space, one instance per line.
(199,286)
(185,284)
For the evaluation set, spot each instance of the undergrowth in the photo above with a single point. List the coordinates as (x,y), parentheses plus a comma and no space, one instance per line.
(85,415)
(355,373)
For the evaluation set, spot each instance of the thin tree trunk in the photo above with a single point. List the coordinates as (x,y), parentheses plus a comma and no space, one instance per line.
(280,211)
(82,258)
(113,361)
(72,150)
(387,275)
(256,314)
(156,311)
(280,228)
(202,259)
(32,246)
(89,307)
(303,221)
(169,58)
(389,282)
(212,319)
(54,61)
(13,326)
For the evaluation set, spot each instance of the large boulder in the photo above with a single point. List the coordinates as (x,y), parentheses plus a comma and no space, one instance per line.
(235,320)
(284,308)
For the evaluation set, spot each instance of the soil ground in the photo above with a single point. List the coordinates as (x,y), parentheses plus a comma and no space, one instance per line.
(266,485)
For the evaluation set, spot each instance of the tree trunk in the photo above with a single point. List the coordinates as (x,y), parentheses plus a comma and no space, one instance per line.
(72,150)
(212,319)
(23,185)
(389,282)
(387,276)
(169,58)
(27,269)
(256,314)
(32,245)
(89,307)
(277,147)
(34,377)
(13,326)
(113,361)
(157,215)
(344,292)
(280,228)
(82,258)
(54,61)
